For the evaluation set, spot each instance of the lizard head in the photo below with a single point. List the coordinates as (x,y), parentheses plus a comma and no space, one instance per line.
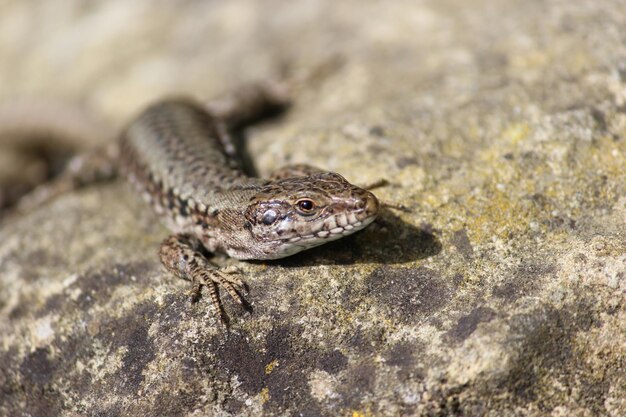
(294,214)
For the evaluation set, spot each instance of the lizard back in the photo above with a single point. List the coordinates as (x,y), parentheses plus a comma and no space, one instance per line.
(181,159)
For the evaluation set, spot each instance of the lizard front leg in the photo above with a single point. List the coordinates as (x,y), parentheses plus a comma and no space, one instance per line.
(180,254)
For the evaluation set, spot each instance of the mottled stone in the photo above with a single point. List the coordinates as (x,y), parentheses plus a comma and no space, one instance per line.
(500,124)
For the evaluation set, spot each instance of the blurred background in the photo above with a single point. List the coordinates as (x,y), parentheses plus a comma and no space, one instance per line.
(405,65)
(111,58)
(116,56)
(500,123)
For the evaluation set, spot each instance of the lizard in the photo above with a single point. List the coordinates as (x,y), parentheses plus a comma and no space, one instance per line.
(180,157)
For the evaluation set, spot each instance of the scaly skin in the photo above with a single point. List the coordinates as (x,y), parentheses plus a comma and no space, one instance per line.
(183,162)
(181,159)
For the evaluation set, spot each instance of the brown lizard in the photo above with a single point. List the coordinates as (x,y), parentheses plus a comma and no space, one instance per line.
(179,156)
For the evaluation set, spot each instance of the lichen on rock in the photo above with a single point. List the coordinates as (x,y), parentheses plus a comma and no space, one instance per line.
(500,124)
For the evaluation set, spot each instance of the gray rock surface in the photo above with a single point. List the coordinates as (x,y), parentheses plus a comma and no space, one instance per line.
(502,124)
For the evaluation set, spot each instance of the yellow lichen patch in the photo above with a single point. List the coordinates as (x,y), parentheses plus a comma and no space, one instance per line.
(529,60)
(516,133)
(498,214)
(270,366)
(609,156)
(264,395)
(359,413)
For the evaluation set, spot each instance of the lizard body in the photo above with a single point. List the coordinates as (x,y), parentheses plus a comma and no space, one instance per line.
(180,158)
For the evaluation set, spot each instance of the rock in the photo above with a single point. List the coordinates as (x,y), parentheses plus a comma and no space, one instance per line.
(501,124)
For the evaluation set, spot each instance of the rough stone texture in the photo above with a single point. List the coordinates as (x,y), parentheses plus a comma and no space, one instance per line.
(501,123)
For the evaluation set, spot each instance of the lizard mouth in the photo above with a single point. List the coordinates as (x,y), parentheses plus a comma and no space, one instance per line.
(346,218)
(351,216)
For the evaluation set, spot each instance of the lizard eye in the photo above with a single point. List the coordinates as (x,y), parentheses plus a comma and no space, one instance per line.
(269,217)
(305,206)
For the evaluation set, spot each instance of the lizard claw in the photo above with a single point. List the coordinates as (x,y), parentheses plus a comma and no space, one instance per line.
(231,274)
(179,256)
